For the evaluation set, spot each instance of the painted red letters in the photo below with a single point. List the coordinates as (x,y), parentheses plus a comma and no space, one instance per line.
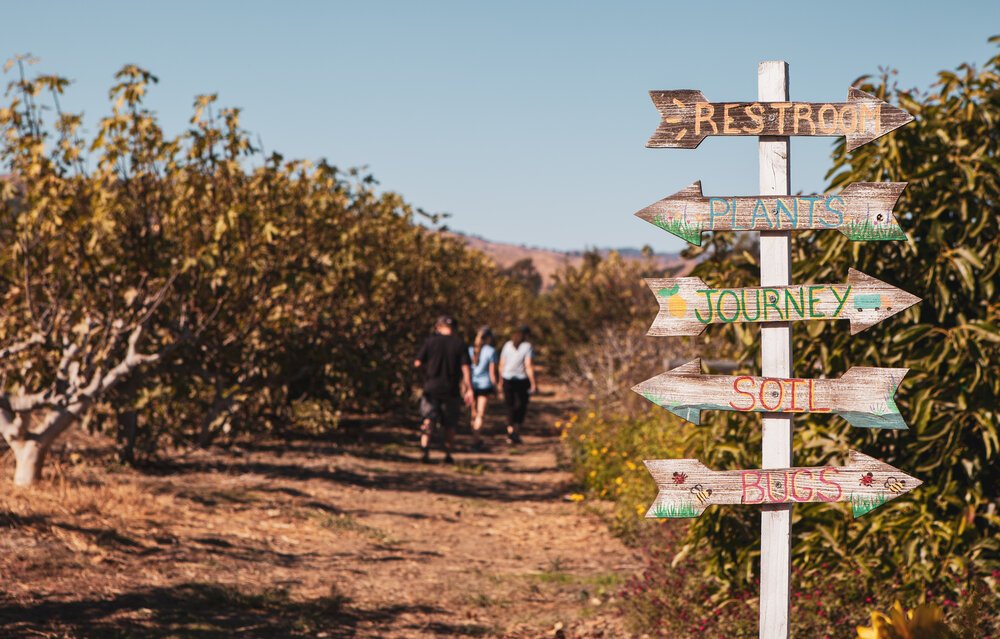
(774,395)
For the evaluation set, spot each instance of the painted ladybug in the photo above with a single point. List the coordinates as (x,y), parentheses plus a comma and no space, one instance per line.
(867,479)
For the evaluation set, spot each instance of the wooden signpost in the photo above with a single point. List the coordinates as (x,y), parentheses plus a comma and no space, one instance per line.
(687,118)
(862,211)
(687,486)
(688,305)
(863,396)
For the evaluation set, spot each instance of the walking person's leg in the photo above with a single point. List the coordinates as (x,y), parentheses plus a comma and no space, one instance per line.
(509,400)
(450,410)
(478,414)
(518,394)
(522,409)
(430,412)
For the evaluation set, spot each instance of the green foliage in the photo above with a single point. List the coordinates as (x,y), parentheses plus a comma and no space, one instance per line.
(606,454)
(945,533)
(604,292)
(263,280)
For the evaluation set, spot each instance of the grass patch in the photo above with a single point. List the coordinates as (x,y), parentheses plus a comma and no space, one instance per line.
(470,469)
(347,523)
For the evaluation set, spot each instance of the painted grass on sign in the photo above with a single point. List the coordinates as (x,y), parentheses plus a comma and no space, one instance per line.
(862,504)
(682,229)
(866,231)
(675,511)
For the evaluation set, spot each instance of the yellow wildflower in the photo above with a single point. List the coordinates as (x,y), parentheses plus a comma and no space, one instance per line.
(925,621)
(576,497)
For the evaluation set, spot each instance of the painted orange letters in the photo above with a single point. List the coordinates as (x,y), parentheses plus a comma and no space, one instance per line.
(755,484)
(727,120)
(703,112)
(756,113)
(794,492)
(822,477)
(736,387)
(813,408)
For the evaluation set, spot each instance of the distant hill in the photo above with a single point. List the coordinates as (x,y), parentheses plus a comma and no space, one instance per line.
(548,261)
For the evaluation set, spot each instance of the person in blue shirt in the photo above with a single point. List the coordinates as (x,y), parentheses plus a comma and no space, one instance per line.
(484,380)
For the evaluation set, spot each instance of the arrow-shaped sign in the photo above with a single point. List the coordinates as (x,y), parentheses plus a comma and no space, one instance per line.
(862,211)
(688,305)
(687,486)
(863,396)
(687,118)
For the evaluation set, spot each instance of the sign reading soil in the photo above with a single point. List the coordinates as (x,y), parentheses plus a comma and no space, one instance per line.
(863,396)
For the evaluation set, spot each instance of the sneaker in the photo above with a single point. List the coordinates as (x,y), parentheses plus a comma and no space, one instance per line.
(448,459)
(425,457)
(513,438)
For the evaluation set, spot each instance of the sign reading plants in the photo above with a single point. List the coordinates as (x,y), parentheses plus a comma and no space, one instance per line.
(863,396)
(862,211)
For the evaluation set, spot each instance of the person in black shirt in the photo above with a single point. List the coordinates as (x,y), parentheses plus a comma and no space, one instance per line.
(444,358)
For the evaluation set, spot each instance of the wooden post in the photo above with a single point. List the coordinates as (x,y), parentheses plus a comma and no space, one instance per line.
(776,361)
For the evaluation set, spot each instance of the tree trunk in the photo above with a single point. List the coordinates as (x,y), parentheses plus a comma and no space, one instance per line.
(29,457)
(128,427)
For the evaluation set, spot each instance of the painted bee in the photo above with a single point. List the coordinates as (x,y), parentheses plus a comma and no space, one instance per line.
(679,477)
(867,479)
(894,485)
(701,493)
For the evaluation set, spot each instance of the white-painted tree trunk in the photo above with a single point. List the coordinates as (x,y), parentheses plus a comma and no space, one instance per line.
(776,361)
(29,457)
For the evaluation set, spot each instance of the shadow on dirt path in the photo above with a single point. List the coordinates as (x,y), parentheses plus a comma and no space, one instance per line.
(341,536)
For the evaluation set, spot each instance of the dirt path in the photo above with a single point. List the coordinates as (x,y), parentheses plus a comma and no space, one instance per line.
(350,537)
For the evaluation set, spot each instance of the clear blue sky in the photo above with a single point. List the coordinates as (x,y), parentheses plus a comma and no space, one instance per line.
(525,120)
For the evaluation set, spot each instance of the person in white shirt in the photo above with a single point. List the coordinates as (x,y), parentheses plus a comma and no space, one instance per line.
(517,380)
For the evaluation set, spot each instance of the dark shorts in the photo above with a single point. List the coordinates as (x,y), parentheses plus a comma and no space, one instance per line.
(484,392)
(444,411)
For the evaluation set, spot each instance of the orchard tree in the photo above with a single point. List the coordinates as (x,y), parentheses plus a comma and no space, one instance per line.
(179,289)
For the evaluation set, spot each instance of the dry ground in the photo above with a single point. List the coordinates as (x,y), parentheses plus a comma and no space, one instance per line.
(342,536)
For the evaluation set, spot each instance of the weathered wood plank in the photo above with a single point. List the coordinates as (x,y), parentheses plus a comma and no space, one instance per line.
(862,211)
(863,396)
(688,305)
(688,487)
(687,118)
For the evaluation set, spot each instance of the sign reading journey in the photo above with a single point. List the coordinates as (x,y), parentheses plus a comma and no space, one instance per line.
(863,396)
(688,305)
(687,118)
(687,486)
(862,211)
